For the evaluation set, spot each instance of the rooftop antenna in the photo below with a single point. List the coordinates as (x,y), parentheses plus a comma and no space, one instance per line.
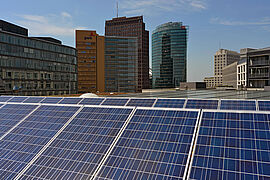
(117,8)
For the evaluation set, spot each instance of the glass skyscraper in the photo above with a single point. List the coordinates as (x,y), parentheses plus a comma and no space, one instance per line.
(169,55)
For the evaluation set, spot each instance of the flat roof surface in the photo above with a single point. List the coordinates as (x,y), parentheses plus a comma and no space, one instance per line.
(201,94)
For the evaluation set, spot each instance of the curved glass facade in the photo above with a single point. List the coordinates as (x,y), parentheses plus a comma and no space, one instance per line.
(169,55)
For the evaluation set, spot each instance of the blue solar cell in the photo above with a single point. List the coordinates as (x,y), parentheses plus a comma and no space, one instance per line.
(33,100)
(77,151)
(92,101)
(170,103)
(17,99)
(24,142)
(141,102)
(154,145)
(201,104)
(115,101)
(232,145)
(238,105)
(11,114)
(5,98)
(70,100)
(264,105)
(51,100)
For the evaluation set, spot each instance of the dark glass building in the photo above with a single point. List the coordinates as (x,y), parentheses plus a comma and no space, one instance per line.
(36,66)
(169,55)
(121,72)
(133,27)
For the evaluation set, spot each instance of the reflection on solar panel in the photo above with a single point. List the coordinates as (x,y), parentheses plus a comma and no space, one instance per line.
(201,104)
(232,146)
(154,145)
(115,102)
(78,150)
(17,99)
(5,98)
(141,102)
(19,146)
(170,103)
(238,105)
(33,100)
(264,105)
(92,101)
(70,101)
(11,114)
(51,100)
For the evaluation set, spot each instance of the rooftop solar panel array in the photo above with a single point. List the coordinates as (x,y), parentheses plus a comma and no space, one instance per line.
(232,145)
(33,100)
(170,103)
(20,146)
(5,98)
(264,105)
(78,150)
(17,99)
(238,105)
(91,101)
(51,100)
(141,102)
(11,114)
(155,145)
(201,104)
(115,102)
(70,101)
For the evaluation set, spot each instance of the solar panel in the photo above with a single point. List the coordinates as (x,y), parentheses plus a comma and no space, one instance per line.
(238,105)
(5,98)
(70,100)
(201,104)
(170,103)
(232,145)
(11,114)
(141,102)
(33,100)
(154,145)
(115,101)
(51,100)
(264,105)
(19,146)
(92,101)
(17,99)
(78,150)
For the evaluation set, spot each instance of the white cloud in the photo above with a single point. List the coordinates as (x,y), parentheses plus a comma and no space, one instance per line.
(263,21)
(150,7)
(49,25)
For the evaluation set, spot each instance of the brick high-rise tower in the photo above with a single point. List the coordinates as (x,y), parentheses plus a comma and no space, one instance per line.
(134,27)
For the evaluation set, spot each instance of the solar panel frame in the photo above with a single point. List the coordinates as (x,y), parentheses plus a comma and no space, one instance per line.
(240,173)
(169,106)
(156,109)
(232,104)
(187,106)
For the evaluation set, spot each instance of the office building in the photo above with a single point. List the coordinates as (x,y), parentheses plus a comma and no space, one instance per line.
(169,55)
(90,47)
(133,27)
(121,66)
(210,82)
(229,75)
(258,63)
(35,66)
(222,58)
(242,74)
(106,64)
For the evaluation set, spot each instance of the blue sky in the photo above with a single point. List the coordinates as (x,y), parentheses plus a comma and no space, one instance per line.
(233,24)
